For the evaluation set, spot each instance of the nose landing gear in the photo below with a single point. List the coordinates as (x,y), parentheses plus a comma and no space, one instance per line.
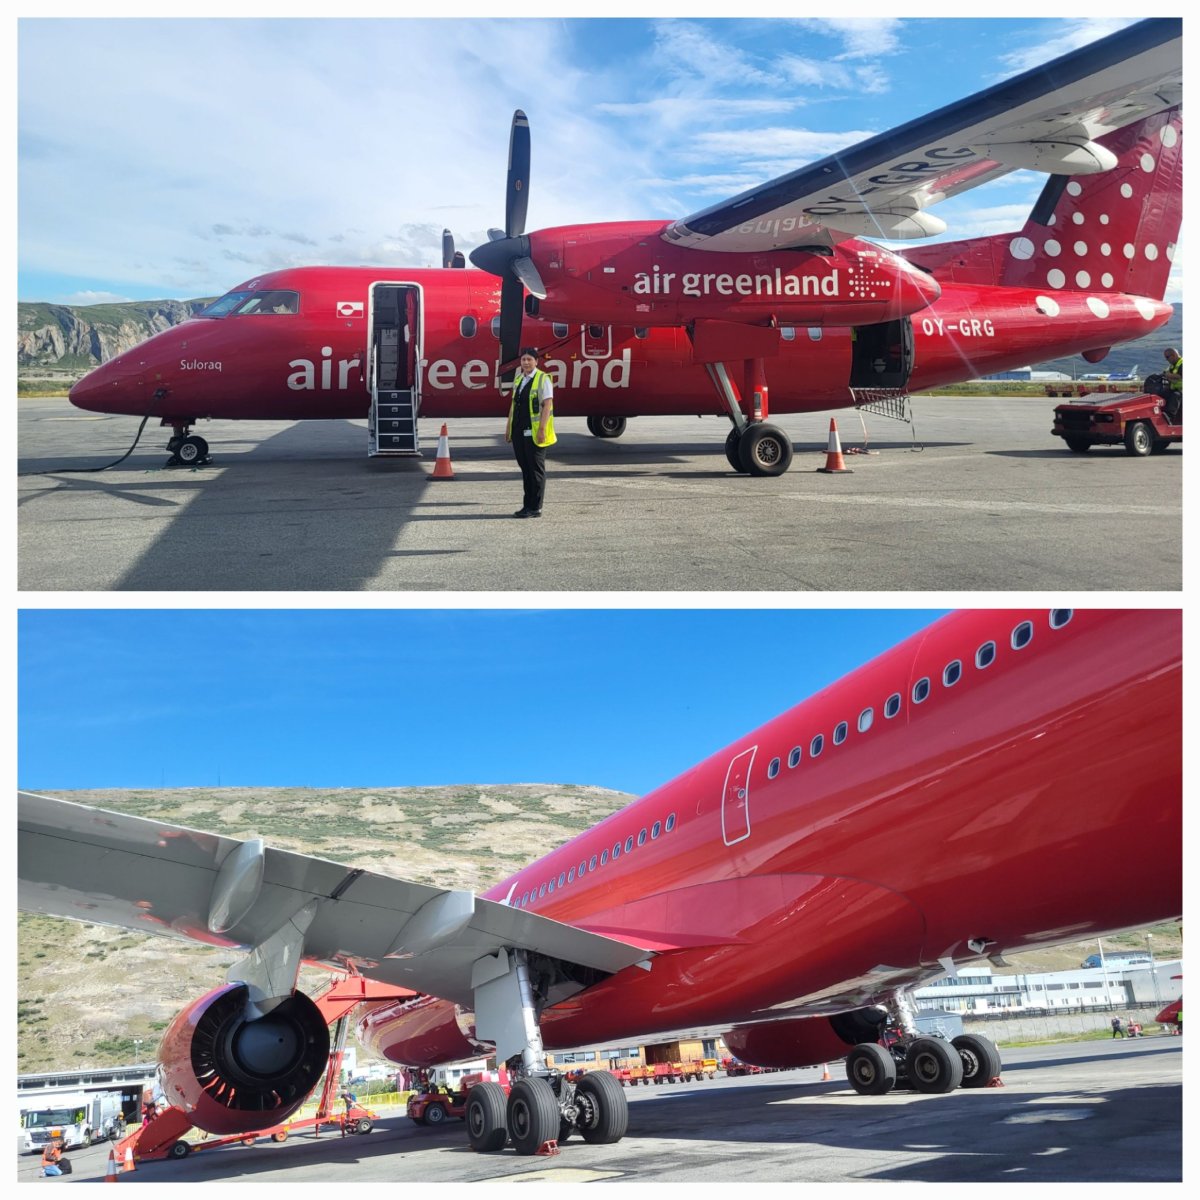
(186,449)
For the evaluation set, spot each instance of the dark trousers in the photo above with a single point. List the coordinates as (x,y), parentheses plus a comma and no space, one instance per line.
(532,461)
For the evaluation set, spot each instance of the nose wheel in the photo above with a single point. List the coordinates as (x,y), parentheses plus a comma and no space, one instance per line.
(187,449)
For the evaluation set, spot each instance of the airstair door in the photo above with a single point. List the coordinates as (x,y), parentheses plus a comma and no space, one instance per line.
(735,803)
(394,369)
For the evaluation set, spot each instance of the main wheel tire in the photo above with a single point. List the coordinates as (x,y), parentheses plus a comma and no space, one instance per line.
(980,1060)
(192,450)
(180,1150)
(435,1114)
(1078,445)
(871,1069)
(933,1066)
(731,450)
(487,1125)
(606,427)
(1139,438)
(765,450)
(603,1109)
(533,1116)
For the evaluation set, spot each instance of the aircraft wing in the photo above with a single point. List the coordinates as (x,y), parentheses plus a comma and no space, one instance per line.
(1047,119)
(109,868)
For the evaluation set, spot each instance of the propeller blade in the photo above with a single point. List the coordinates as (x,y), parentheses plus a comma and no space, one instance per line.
(512,309)
(527,273)
(460,259)
(447,248)
(516,196)
(496,235)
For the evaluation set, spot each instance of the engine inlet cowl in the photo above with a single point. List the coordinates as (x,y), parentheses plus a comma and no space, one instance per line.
(233,1074)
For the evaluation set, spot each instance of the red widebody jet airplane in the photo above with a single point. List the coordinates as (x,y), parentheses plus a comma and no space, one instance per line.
(973,792)
(770,301)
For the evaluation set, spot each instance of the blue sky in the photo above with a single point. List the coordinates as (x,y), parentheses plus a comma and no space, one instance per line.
(616,698)
(175,158)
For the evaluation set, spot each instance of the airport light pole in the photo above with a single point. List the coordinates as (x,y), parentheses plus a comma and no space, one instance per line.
(1153,972)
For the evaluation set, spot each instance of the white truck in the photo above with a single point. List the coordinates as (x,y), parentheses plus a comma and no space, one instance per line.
(79,1118)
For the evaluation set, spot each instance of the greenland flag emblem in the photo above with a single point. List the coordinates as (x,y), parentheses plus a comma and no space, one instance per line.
(350,308)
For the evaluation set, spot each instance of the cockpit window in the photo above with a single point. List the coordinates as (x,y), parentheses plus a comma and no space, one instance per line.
(271,301)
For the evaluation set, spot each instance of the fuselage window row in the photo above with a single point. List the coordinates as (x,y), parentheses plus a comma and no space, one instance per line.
(586,865)
(985,655)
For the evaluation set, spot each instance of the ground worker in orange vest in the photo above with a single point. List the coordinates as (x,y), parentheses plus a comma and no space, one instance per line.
(52,1156)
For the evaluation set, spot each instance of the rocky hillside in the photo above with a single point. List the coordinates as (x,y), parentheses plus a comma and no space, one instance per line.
(78,339)
(91,995)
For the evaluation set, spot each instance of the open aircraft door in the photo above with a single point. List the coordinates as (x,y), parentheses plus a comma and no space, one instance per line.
(735,801)
(394,338)
(883,356)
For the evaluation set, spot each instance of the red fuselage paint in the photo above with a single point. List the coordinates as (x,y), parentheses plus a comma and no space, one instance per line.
(1035,799)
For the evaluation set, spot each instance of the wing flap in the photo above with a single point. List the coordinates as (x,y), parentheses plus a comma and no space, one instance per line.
(110,868)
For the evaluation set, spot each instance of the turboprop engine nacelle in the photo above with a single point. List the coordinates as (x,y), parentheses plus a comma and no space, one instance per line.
(234,1074)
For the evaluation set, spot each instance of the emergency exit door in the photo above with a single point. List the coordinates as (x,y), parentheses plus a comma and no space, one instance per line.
(735,803)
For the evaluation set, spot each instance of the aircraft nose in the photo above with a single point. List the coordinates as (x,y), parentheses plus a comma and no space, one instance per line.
(96,387)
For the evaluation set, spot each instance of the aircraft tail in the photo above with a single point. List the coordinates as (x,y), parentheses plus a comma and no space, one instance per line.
(1111,232)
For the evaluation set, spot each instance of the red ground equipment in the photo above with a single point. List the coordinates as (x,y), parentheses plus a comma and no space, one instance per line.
(1133,419)
(431,1104)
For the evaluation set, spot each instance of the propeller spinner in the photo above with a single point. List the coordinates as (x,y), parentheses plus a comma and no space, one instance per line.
(506,255)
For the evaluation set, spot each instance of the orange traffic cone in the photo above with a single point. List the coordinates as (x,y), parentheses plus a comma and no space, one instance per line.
(825,1072)
(835,464)
(110,1172)
(129,1163)
(442,468)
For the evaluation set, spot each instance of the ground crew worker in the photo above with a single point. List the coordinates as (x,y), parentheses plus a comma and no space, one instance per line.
(1117,1031)
(51,1156)
(531,429)
(1173,379)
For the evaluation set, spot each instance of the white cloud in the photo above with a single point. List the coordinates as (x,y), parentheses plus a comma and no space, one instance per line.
(86,297)
(861,37)
(1062,39)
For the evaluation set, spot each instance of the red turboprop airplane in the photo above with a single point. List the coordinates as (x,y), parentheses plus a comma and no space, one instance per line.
(772,301)
(973,792)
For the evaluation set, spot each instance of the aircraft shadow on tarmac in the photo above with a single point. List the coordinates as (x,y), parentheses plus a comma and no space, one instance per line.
(1097,455)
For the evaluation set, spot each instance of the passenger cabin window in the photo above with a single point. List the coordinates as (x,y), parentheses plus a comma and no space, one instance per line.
(562,878)
(866,719)
(787,333)
(921,691)
(550,888)
(816,745)
(496,327)
(670,822)
(642,838)
(985,655)
(891,706)
(1060,616)
(616,851)
(603,857)
(1022,635)
(629,843)
(773,769)
(839,734)
(795,756)
(815,333)
(541,891)
(596,331)
(641,332)
(468,327)
(571,875)
(583,868)
(655,830)
(592,863)
(952,673)
(559,330)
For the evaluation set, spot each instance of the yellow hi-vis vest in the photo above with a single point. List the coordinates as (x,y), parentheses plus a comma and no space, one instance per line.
(535,408)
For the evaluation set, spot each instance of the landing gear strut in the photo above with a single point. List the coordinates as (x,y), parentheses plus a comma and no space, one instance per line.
(186,449)
(921,1062)
(753,447)
(542,1105)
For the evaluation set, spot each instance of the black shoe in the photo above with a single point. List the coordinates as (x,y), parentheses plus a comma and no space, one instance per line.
(534,512)
(521,512)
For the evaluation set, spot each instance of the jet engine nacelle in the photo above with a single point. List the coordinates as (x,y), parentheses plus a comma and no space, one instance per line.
(807,1041)
(231,1073)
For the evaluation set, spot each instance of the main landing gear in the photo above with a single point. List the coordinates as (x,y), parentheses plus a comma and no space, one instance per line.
(542,1106)
(758,449)
(606,427)
(186,449)
(921,1062)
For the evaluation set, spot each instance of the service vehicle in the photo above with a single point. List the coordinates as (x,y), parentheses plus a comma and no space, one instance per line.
(79,1118)
(1136,420)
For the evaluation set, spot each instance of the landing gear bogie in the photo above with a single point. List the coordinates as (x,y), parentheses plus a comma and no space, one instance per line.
(533,1116)
(932,1066)
(603,1109)
(487,1118)
(871,1069)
